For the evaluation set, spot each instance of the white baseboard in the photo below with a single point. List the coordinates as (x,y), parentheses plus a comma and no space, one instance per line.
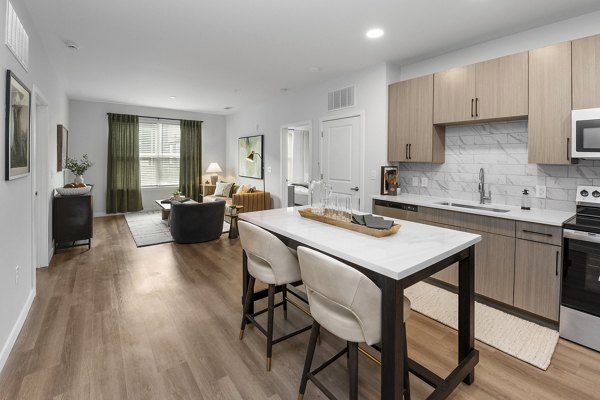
(14,333)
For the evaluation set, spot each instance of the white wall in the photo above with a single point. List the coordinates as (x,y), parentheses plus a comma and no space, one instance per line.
(16,245)
(88,134)
(570,29)
(311,104)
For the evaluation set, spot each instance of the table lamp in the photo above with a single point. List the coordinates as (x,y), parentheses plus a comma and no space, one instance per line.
(213,168)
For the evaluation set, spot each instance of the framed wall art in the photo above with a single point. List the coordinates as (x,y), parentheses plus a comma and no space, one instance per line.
(62,147)
(389,180)
(250,160)
(17,132)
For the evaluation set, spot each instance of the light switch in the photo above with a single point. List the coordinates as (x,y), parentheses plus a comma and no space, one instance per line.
(424,182)
(373,175)
(269,169)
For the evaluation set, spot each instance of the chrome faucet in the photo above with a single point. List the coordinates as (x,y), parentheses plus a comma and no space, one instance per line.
(482,196)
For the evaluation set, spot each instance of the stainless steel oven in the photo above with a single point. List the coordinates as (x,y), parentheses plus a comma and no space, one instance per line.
(580,294)
(585,133)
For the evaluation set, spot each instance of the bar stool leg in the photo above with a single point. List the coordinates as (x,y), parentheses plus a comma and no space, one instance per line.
(353,369)
(247,302)
(270,312)
(284,295)
(406,372)
(310,352)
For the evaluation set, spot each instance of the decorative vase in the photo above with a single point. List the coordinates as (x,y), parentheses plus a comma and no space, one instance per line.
(79,179)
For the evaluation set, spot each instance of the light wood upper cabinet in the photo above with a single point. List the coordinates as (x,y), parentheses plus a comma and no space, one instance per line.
(454,99)
(537,278)
(550,104)
(491,90)
(586,73)
(412,137)
(501,87)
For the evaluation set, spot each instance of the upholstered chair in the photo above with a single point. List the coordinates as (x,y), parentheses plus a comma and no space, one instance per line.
(272,262)
(347,304)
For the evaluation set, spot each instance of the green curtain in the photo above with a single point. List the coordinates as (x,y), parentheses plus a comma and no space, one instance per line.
(190,161)
(123,184)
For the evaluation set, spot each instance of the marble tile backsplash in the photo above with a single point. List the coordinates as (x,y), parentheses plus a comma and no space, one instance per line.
(501,150)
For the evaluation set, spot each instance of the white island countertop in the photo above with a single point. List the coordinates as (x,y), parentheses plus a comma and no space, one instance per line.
(414,248)
(535,215)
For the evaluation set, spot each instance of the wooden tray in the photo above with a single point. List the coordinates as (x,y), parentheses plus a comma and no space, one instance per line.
(308,213)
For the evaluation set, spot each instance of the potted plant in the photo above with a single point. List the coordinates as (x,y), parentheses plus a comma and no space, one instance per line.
(78,167)
(177,195)
(233,209)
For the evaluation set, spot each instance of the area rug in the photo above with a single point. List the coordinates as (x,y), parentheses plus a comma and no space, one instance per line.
(148,228)
(515,336)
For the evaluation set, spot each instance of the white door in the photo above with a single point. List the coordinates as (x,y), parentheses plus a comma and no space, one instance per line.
(340,156)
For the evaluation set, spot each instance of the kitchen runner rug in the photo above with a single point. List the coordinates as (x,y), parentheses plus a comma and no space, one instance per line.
(515,336)
(148,228)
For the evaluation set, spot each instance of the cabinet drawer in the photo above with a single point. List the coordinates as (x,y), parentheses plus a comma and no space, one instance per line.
(498,226)
(539,233)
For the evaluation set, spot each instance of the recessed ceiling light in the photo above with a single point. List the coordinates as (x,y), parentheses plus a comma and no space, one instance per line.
(227,108)
(315,69)
(374,33)
(172,97)
(283,90)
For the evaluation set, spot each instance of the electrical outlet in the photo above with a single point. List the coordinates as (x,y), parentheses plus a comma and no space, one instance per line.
(415,181)
(540,191)
(373,175)
(17,275)
(269,169)
(424,182)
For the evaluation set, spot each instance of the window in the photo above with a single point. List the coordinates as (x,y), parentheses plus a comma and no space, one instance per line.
(159,152)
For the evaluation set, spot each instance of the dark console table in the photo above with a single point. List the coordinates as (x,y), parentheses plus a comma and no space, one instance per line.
(72,221)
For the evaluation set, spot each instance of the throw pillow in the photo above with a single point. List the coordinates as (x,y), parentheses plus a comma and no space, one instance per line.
(223,189)
(243,189)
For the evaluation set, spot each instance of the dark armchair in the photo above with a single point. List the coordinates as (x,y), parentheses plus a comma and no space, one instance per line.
(197,222)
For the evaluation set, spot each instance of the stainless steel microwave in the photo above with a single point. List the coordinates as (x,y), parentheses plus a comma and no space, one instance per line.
(585,133)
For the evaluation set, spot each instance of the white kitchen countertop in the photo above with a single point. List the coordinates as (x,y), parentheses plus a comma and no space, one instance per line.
(536,215)
(415,246)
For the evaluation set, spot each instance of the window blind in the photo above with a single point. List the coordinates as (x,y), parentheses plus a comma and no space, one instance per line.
(159,152)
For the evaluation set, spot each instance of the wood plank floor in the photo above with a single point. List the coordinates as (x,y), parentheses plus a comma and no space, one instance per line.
(162,322)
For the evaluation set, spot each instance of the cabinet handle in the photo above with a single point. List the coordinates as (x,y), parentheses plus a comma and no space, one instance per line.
(472,101)
(410,151)
(406,152)
(537,233)
(568,139)
(477,106)
(556,270)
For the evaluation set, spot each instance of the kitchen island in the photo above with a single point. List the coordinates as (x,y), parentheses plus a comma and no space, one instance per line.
(394,263)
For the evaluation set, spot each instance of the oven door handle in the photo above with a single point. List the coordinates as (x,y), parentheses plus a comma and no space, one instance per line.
(583,236)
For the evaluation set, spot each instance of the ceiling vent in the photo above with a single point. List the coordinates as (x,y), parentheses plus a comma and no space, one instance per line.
(342,98)
(17,39)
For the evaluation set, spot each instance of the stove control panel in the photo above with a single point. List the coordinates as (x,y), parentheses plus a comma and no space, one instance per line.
(588,194)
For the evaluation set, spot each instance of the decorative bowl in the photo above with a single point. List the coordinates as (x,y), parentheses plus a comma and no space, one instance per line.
(74,191)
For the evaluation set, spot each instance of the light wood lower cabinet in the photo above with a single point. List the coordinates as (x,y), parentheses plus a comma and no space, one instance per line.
(537,278)
(494,266)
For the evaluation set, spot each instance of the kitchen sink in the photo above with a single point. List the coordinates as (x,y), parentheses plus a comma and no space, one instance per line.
(473,207)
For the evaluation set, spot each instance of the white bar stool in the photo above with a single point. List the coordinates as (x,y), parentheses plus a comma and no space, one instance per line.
(272,262)
(348,304)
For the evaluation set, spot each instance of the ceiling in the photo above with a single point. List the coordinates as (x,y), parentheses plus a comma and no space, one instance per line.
(213,54)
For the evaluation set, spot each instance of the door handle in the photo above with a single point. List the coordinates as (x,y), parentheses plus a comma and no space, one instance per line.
(354,189)
(477,106)
(472,101)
